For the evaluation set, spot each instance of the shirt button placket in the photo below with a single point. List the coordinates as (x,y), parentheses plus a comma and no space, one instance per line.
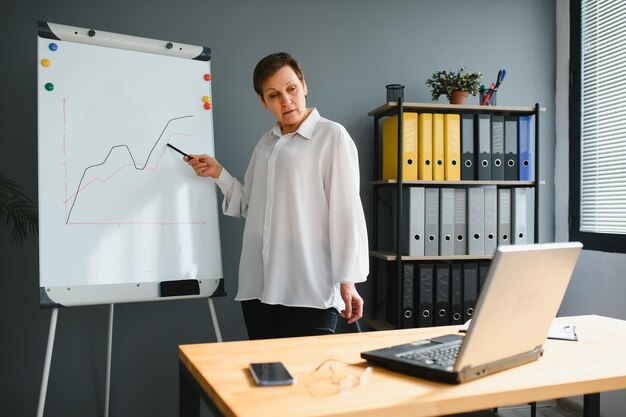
(271,175)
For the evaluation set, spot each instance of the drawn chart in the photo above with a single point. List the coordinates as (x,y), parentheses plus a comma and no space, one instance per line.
(113,164)
(120,211)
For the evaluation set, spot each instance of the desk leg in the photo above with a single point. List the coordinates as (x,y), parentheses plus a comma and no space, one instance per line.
(591,405)
(188,396)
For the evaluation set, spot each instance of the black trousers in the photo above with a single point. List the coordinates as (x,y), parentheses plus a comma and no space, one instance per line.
(267,321)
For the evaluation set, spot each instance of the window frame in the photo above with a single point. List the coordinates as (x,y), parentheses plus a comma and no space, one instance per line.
(605,242)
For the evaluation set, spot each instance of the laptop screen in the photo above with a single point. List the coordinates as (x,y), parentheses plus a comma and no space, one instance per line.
(520,297)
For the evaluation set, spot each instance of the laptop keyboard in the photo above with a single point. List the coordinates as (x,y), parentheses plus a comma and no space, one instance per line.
(442,356)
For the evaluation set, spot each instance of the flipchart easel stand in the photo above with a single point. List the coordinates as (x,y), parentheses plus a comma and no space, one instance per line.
(50,345)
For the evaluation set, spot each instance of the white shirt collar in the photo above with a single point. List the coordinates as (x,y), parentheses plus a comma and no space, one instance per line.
(306,128)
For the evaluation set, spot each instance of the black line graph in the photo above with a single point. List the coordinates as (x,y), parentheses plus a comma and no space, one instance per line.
(134,164)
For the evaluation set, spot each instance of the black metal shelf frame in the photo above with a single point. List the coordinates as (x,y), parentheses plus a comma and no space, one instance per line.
(399,109)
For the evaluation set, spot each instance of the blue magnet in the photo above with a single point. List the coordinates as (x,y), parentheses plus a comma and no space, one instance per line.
(53,46)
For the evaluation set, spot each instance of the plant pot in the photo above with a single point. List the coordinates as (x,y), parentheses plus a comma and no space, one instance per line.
(458,97)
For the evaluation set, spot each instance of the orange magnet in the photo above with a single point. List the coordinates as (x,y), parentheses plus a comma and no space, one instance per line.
(206,99)
(45,62)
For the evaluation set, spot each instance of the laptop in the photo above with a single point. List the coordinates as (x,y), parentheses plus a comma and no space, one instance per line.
(519,299)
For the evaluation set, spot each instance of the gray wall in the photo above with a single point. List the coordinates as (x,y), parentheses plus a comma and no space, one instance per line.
(598,285)
(350,50)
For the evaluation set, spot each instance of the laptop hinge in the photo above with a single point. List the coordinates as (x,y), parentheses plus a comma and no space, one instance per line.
(472,372)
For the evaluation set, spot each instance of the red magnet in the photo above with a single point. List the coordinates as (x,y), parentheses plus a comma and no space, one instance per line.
(207,77)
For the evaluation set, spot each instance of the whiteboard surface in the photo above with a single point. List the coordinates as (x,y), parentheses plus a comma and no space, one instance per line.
(119,211)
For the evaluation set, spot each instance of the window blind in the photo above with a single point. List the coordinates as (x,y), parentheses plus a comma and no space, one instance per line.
(603,117)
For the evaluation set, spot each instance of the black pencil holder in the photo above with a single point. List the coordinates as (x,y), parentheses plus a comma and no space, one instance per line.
(491,101)
(394,92)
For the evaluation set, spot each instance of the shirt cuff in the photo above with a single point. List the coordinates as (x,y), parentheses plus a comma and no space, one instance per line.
(224,181)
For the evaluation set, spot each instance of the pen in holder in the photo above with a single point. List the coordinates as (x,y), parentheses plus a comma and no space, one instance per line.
(487,97)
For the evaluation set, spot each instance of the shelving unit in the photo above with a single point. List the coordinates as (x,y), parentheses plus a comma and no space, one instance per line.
(386,255)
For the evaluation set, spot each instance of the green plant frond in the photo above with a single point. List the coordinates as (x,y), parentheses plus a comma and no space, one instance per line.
(17,211)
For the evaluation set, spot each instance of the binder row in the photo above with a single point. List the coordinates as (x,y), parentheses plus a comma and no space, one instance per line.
(452,147)
(435,294)
(442,221)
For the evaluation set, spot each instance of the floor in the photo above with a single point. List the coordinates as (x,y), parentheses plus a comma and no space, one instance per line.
(548,409)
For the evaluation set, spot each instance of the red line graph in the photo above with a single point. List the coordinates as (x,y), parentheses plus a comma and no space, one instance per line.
(103,180)
(70,200)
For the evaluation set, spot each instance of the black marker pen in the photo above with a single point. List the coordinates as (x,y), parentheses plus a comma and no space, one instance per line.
(179,151)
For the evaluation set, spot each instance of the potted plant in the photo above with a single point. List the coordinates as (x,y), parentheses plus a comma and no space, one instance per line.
(17,212)
(456,85)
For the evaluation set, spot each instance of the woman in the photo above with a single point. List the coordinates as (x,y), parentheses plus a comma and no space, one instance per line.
(305,239)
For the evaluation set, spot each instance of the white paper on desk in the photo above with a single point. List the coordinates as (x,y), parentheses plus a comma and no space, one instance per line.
(557,331)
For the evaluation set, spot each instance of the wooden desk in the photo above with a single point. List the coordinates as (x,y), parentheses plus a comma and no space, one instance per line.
(218,373)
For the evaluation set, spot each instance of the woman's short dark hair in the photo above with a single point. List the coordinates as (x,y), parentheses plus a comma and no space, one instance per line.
(270,65)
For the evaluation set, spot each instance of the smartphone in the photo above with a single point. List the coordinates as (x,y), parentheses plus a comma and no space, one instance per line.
(271,374)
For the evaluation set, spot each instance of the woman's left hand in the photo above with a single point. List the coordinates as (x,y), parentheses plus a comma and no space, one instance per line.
(353,301)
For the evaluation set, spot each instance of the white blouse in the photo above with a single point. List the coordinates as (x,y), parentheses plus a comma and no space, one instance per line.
(305,230)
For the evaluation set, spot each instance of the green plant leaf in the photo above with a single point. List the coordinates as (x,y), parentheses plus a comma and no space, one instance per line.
(17,211)
(445,82)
